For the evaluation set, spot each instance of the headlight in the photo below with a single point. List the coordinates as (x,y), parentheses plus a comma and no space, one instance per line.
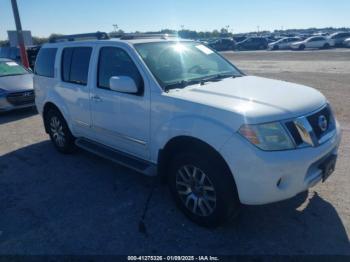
(269,137)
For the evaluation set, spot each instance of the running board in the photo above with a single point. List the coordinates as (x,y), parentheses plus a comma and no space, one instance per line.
(118,157)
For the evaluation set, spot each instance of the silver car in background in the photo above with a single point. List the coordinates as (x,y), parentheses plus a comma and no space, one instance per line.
(16,86)
(284,43)
(347,42)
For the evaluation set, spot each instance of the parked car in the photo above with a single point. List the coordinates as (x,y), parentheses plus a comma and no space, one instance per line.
(312,42)
(13,53)
(284,43)
(347,42)
(223,44)
(337,39)
(10,53)
(16,86)
(239,38)
(252,43)
(174,108)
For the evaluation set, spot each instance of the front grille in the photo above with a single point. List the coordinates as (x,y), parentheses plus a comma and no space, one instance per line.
(313,120)
(21,98)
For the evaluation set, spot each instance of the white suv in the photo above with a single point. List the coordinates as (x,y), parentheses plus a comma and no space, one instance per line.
(176,108)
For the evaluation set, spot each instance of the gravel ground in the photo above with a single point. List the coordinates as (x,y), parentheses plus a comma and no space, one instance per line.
(81,204)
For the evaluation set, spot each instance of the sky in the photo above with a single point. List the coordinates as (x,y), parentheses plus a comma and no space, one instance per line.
(44,17)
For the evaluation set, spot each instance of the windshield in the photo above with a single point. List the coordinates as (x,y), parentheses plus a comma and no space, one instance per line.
(184,62)
(10,68)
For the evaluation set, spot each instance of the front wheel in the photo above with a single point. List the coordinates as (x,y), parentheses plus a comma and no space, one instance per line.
(203,189)
(302,47)
(59,132)
(326,46)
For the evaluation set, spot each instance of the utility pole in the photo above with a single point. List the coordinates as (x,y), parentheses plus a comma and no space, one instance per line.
(24,57)
(115,27)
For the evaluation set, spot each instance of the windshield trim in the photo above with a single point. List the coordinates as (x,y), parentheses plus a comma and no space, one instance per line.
(164,85)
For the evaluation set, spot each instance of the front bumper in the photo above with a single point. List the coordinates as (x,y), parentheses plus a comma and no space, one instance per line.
(5,105)
(264,177)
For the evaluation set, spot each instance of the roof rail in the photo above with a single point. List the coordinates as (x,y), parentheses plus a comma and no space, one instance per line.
(140,36)
(78,37)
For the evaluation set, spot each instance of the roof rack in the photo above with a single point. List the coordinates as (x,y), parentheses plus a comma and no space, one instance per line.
(145,36)
(78,37)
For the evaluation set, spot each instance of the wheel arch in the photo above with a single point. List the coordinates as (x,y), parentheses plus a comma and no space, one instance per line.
(183,143)
(47,107)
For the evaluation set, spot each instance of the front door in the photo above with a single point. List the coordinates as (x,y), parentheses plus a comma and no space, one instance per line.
(120,120)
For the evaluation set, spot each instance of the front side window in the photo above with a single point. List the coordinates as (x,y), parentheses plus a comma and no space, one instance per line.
(115,61)
(11,68)
(75,64)
(45,62)
(176,62)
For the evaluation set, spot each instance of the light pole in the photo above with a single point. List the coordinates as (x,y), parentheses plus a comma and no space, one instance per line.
(24,57)
(115,27)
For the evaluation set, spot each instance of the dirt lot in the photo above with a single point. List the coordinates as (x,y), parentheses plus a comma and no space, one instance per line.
(81,204)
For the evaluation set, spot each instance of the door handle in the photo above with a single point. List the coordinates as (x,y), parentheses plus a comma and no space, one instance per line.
(96,98)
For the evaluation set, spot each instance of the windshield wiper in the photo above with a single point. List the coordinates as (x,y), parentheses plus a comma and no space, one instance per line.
(12,75)
(182,84)
(217,77)
(201,81)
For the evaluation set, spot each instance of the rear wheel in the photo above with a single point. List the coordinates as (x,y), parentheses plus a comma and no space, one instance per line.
(302,47)
(326,46)
(59,132)
(203,189)
(276,47)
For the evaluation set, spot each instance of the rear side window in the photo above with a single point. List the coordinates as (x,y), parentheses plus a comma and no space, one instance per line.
(75,64)
(114,61)
(45,62)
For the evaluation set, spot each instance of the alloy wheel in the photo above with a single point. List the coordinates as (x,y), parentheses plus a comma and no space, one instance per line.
(195,190)
(57,131)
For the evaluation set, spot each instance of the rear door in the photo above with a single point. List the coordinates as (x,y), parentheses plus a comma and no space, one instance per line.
(75,86)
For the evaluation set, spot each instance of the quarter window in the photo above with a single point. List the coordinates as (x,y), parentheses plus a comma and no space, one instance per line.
(45,62)
(114,61)
(75,64)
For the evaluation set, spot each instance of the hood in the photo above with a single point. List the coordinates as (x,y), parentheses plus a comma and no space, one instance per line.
(16,83)
(257,99)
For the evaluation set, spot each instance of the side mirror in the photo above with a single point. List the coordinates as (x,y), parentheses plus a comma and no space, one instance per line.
(123,84)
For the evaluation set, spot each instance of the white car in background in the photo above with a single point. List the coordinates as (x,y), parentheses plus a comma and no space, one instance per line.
(312,42)
(337,39)
(346,43)
(284,43)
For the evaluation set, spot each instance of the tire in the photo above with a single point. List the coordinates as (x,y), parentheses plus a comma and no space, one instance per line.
(59,132)
(326,46)
(276,47)
(302,47)
(213,188)
(262,47)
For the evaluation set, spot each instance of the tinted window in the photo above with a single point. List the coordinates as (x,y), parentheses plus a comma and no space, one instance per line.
(45,62)
(114,61)
(316,39)
(75,64)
